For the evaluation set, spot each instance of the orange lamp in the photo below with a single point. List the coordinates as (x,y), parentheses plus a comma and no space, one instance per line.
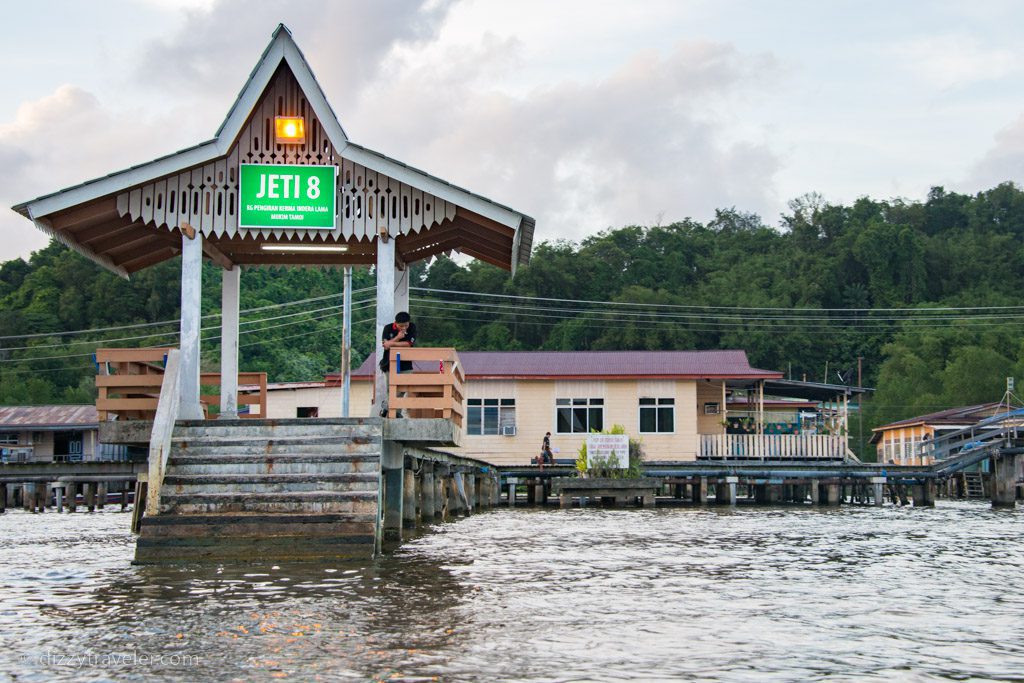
(289,130)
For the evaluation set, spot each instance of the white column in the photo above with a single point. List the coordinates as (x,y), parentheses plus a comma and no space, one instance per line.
(385,310)
(191,315)
(231,282)
(346,344)
(402,288)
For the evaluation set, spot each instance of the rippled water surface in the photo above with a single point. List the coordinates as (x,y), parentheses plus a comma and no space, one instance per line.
(538,595)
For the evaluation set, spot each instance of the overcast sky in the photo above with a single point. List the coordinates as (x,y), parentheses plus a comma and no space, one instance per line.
(584,114)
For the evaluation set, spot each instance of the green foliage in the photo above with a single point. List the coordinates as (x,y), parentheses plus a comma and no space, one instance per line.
(950,250)
(601,467)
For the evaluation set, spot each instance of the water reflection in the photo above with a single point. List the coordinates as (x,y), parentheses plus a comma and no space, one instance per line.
(595,594)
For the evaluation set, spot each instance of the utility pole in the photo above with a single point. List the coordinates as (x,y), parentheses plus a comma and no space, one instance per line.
(346,343)
(860,409)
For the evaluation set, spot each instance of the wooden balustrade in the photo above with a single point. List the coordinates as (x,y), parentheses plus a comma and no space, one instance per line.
(773,446)
(128,383)
(433,389)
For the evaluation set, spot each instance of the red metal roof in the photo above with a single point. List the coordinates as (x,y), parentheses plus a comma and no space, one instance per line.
(599,365)
(43,417)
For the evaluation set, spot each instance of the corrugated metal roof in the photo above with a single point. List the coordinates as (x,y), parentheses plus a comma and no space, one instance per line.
(545,364)
(950,416)
(43,417)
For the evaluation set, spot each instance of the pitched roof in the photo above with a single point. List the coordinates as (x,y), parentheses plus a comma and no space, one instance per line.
(962,415)
(89,217)
(601,364)
(48,417)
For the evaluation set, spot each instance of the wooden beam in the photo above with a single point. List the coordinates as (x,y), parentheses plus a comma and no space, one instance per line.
(484,234)
(153,258)
(86,215)
(216,255)
(484,247)
(486,259)
(484,221)
(148,246)
(117,238)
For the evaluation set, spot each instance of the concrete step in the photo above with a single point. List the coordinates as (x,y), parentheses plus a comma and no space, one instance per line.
(249,429)
(272,465)
(176,484)
(261,549)
(308,502)
(257,525)
(297,446)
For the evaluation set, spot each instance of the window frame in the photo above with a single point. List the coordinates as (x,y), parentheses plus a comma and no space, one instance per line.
(587,405)
(657,407)
(504,406)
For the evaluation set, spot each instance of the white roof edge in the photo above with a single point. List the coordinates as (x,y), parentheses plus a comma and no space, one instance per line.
(435,186)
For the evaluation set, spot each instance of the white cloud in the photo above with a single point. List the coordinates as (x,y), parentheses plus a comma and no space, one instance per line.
(1003,161)
(954,60)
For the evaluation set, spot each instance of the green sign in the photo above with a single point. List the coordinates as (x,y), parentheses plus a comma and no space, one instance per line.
(276,196)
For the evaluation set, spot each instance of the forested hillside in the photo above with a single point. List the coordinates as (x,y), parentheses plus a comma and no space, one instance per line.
(927,294)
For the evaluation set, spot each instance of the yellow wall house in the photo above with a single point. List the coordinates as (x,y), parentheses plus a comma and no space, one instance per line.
(900,443)
(666,398)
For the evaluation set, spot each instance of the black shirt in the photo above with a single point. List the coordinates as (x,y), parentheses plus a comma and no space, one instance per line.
(390,332)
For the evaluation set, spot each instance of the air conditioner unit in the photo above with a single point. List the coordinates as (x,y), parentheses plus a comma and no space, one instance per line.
(711,409)
(508,430)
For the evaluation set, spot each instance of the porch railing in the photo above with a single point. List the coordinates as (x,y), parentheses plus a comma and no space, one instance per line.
(433,389)
(773,446)
(128,382)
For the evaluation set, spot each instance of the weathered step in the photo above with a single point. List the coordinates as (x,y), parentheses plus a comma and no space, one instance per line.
(177,484)
(256,525)
(272,465)
(246,430)
(253,549)
(309,502)
(277,446)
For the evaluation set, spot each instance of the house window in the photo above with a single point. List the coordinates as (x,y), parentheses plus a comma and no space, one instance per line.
(579,415)
(9,438)
(709,408)
(657,415)
(307,411)
(488,416)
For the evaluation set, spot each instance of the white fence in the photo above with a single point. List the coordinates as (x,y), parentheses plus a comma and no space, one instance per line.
(773,446)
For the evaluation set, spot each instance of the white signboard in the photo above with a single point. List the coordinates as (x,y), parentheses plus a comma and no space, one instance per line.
(613,449)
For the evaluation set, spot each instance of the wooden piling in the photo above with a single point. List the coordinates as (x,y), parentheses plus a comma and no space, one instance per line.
(125,487)
(470,481)
(27,493)
(41,491)
(3,498)
(101,494)
(700,491)
(832,493)
(139,506)
(71,496)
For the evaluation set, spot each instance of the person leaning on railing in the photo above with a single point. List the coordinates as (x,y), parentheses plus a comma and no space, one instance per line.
(397,335)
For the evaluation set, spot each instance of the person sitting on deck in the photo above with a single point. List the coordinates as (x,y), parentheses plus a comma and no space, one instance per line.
(397,335)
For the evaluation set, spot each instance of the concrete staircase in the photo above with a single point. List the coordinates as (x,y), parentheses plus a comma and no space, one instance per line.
(301,489)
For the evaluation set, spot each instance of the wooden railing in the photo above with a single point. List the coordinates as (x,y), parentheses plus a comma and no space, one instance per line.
(433,389)
(252,392)
(773,446)
(128,382)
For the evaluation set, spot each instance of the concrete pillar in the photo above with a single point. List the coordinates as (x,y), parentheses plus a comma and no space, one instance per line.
(1004,480)
(401,287)
(58,497)
(470,480)
(539,494)
(454,504)
(440,494)
(427,504)
(700,491)
(41,495)
(815,493)
(393,477)
(90,496)
(3,498)
(832,493)
(385,310)
(677,491)
(927,498)
(731,483)
(28,492)
(408,499)
(774,492)
(101,494)
(71,495)
(230,289)
(125,488)
(511,494)
(191,319)
(878,484)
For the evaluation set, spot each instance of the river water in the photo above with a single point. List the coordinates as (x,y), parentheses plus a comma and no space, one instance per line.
(538,595)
